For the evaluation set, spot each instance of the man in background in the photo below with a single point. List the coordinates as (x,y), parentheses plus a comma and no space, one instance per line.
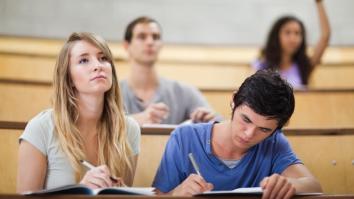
(152,99)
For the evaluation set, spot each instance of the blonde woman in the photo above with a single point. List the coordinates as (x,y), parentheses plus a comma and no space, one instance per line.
(87,122)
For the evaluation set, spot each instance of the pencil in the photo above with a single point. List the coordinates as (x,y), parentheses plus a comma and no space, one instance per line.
(194,163)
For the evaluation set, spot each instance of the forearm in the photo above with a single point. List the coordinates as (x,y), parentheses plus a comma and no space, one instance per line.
(325,34)
(306,184)
(324,22)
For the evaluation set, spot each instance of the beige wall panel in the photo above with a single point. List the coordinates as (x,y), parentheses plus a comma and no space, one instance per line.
(21,102)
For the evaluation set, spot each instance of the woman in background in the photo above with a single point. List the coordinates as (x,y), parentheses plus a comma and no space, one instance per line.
(285,49)
(87,122)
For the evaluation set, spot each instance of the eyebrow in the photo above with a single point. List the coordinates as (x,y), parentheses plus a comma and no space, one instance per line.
(247,118)
(85,54)
(146,33)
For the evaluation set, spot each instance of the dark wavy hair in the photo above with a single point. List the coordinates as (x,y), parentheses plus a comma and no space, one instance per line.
(272,51)
(267,94)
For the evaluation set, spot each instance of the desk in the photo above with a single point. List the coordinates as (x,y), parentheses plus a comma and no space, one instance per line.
(328,108)
(335,178)
(164,197)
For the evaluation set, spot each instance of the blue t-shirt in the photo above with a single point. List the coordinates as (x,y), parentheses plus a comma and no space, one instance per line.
(272,155)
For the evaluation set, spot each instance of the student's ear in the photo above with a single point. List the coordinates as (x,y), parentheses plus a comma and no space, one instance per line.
(125,45)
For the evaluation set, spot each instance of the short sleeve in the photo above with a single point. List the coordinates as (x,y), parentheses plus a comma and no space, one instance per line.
(170,172)
(133,134)
(284,155)
(37,132)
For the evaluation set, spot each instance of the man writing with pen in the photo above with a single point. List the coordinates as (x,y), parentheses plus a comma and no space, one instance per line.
(250,150)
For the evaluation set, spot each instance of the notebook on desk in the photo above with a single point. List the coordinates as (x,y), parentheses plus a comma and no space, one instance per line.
(245,191)
(238,191)
(84,190)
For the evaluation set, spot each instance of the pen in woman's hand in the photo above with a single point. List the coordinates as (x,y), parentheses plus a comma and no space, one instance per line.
(90,166)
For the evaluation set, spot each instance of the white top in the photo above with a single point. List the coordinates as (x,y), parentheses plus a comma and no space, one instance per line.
(40,133)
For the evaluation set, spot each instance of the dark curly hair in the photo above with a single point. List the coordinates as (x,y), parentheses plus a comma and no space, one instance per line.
(267,94)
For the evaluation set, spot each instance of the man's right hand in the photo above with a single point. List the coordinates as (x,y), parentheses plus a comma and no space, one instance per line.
(153,114)
(194,184)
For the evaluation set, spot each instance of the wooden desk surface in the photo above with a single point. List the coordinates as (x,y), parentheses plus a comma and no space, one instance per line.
(164,197)
(167,129)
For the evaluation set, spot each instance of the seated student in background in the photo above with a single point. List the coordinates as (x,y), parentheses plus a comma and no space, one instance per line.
(87,122)
(152,99)
(285,49)
(250,150)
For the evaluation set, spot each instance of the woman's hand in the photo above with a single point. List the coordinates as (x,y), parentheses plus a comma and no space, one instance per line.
(99,177)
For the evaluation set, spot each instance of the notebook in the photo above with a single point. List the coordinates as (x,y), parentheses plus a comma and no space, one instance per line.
(240,191)
(84,190)
(245,191)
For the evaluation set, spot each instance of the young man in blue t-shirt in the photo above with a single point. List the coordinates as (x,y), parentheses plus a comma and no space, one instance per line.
(248,151)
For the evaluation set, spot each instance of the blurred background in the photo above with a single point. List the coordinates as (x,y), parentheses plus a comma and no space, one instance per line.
(224,22)
(208,44)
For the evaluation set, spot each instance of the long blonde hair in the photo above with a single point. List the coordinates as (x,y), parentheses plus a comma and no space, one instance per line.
(113,148)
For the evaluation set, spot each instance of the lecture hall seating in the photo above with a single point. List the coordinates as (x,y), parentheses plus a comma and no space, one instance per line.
(334,166)
(21,100)
(323,118)
(23,57)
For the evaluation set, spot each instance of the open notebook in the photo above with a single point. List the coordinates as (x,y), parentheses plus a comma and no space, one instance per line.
(84,190)
(244,191)
(248,190)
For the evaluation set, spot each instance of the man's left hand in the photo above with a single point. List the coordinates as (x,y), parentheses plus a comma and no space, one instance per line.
(277,186)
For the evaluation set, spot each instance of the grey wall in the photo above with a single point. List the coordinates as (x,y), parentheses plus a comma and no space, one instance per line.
(233,22)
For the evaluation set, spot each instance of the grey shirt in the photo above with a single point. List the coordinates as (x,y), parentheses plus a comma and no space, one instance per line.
(40,133)
(181,99)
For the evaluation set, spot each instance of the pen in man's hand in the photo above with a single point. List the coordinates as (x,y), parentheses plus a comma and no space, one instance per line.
(194,163)
(90,166)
